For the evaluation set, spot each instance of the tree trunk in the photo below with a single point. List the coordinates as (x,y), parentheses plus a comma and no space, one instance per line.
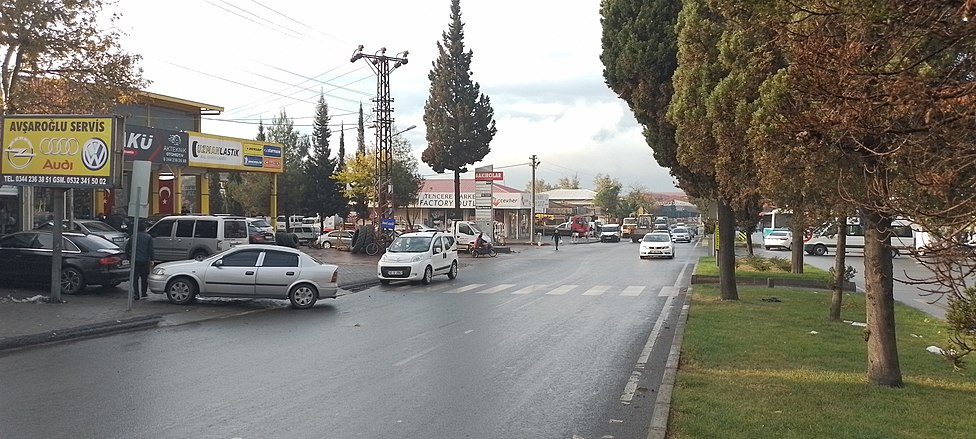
(457,196)
(840,270)
(883,367)
(726,251)
(796,262)
(749,244)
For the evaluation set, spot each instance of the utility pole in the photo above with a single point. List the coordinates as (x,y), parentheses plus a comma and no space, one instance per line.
(534,162)
(380,63)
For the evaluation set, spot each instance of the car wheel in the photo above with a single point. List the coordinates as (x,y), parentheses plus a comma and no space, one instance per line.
(181,290)
(428,275)
(385,281)
(820,249)
(72,281)
(200,255)
(303,296)
(766,247)
(453,273)
(326,244)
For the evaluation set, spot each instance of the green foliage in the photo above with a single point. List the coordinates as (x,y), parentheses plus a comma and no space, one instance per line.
(63,56)
(781,264)
(358,179)
(569,182)
(849,273)
(459,118)
(607,194)
(291,182)
(322,195)
(961,317)
(540,186)
(218,202)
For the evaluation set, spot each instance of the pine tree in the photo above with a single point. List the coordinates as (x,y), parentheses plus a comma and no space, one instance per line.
(291,191)
(460,121)
(360,206)
(361,133)
(341,154)
(323,196)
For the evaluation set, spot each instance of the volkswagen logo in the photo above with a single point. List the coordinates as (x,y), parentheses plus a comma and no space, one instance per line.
(94,154)
(20,152)
(59,146)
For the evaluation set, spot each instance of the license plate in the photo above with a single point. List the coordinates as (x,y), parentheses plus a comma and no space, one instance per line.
(125,262)
(394,273)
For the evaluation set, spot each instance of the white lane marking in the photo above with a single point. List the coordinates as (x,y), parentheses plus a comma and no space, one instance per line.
(529,289)
(468,331)
(597,290)
(463,289)
(417,355)
(630,388)
(633,290)
(496,289)
(527,304)
(668,291)
(559,291)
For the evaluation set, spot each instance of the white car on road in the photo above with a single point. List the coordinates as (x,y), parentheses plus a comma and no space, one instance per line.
(248,271)
(657,244)
(778,239)
(419,256)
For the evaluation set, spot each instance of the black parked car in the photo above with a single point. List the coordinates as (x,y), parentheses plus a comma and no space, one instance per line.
(91,227)
(25,258)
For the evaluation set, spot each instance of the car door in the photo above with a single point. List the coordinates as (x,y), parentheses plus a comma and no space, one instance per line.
(277,272)
(15,250)
(232,275)
(183,238)
(440,259)
(162,234)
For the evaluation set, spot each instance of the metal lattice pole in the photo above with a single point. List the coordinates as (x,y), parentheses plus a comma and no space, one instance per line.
(381,65)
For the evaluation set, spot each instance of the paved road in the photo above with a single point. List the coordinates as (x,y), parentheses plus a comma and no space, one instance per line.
(540,344)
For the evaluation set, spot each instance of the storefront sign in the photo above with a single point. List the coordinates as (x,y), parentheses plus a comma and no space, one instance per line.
(61,151)
(210,151)
(489,175)
(445,200)
(156,145)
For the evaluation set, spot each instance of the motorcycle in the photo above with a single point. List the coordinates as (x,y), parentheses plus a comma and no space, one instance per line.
(485,248)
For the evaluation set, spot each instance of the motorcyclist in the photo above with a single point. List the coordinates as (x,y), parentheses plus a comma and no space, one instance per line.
(480,245)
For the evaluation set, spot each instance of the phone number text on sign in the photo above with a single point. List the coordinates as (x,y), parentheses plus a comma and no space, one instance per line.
(56,180)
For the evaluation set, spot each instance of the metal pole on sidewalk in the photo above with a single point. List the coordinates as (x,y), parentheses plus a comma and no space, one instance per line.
(57,247)
(133,232)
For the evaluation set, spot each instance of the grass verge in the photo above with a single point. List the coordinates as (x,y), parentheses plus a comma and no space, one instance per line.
(753,369)
(706,267)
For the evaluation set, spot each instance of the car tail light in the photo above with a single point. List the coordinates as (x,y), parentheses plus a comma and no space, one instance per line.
(335,276)
(110,260)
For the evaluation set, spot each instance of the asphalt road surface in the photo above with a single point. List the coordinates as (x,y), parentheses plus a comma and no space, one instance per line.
(538,344)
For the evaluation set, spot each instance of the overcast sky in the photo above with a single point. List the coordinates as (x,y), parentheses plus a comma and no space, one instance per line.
(538,61)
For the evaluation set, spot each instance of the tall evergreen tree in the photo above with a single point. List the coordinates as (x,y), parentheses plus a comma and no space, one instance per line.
(460,121)
(291,191)
(323,196)
(341,154)
(360,205)
(361,133)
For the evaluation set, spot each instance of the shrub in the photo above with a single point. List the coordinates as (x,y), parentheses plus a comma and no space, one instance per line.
(782,264)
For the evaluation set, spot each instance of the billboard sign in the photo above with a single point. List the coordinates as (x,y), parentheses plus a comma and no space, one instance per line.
(488,175)
(61,151)
(156,145)
(210,151)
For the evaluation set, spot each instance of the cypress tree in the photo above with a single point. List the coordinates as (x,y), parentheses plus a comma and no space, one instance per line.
(323,197)
(460,121)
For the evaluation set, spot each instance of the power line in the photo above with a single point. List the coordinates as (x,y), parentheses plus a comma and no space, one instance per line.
(259,23)
(299,22)
(268,100)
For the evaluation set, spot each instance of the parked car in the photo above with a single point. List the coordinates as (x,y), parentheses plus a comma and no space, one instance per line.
(90,227)
(680,234)
(610,233)
(262,224)
(256,235)
(248,271)
(778,239)
(656,244)
(335,238)
(422,228)
(26,258)
(419,256)
(196,236)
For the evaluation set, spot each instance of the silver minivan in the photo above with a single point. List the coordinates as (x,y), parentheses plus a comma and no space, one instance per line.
(197,237)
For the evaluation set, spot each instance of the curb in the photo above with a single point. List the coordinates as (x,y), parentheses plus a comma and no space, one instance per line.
(662,405)
(96,329)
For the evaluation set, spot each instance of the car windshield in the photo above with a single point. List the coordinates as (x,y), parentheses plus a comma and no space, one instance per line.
(410,244)
(680,230)
(656,237)
(608,228)
(779,234)
(260,223)
(98,226)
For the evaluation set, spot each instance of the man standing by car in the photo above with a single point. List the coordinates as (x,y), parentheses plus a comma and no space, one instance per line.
(141,261)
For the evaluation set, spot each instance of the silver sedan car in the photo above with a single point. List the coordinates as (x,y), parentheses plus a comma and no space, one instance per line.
(248,271)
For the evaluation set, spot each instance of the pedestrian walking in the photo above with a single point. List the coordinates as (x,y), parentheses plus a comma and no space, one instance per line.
(556,238)
(142,260)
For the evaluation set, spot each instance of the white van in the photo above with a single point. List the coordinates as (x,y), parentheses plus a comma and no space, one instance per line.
(465,232)
(294,222)
(824,238)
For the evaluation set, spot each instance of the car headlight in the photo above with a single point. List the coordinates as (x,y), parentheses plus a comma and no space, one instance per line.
(417,258)
(159,271)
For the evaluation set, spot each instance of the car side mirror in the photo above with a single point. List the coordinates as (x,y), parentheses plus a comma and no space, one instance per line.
(218,263)
(437,250)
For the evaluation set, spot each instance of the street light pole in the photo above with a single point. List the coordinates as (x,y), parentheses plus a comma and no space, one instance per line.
(381,65)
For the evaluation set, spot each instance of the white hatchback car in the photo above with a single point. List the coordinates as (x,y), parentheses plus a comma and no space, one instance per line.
(248,271)
(657,244)
(778,238)
(419,256)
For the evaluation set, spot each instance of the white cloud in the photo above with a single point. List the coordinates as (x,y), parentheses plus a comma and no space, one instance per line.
(537,61)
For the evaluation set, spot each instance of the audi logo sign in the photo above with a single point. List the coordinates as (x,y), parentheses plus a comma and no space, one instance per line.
(60,151)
